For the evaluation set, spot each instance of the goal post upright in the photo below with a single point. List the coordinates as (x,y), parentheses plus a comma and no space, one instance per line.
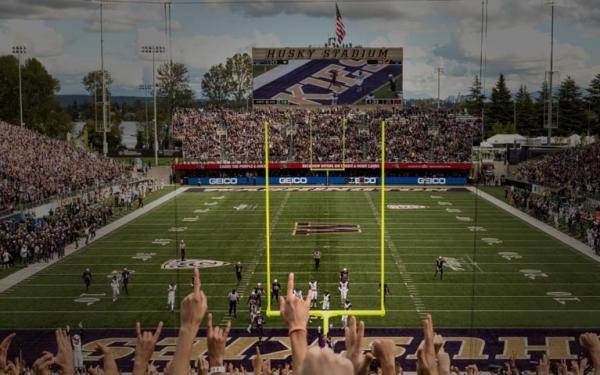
(327,314)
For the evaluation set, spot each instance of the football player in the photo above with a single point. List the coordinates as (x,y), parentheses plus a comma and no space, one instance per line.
(87,278)
(114,284)
(439,267)
(275,288)
(343,287)
(182,250)
(344,275)
(326,300)
(314,293)
(171,296)
(347,307)
(125,278)
(238,272)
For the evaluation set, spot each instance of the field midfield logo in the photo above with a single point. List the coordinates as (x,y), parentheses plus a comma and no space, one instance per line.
(190,219)
(477,229)
(89,299)
(162,241)
(533,274)
(510,255)
(143,256)
(563,297)
(492,241)
(176,264)
(463,218)
(178,229)
(405,207)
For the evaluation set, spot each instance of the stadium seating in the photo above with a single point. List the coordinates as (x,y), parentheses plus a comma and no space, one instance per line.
(34,167)
(575,169)
(414,137)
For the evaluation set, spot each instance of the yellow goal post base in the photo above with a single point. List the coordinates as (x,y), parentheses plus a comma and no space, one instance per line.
(326,315)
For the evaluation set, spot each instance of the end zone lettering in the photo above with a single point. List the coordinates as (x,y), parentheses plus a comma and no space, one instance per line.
(431,181)
(223,181)
(293,180)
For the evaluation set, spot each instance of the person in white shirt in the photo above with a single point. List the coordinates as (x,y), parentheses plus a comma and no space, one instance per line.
(114,284)
(347,307)
(171,296)
(326,300)
(314,293)
(77,353)
(343,288)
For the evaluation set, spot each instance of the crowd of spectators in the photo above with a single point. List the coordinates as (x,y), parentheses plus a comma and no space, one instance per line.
(432,359)
(34,167)
(568,214)
(574,169)
(25,240)
(324,135)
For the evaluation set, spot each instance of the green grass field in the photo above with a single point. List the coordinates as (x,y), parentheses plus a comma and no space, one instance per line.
(483,290)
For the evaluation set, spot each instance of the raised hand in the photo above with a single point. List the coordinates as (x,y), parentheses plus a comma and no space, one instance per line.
(64,358)
(426,356)
(144,347)
(354,353)
(216,342)
(193,309)
(202,365)
(385,352)
(4,348)
(109,363)
(41,366)
(194,305)
(472,370)
(543,367)
(294,312)
(325,362)
(591,342)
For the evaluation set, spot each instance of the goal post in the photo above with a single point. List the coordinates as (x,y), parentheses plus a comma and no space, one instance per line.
(326,315)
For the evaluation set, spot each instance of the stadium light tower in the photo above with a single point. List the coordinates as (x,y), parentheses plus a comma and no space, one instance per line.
(550,90)
(153,50)
(146,87)
(439,70)
(20,50)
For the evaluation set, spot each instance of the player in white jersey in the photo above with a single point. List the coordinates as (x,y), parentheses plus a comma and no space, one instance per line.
(343,288)
(77,353)
(114,284)
(314,291)
(171,296)
(347,307)
(298,293)
(326,300)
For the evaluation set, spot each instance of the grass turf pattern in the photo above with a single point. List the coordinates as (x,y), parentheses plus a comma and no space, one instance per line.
(484,290)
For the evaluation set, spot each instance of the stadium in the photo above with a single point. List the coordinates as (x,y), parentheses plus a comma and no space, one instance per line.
(282,205)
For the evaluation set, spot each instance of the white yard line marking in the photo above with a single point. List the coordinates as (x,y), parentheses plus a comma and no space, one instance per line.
(477,265)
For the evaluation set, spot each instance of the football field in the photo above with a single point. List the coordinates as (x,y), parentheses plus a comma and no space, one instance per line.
(500,271)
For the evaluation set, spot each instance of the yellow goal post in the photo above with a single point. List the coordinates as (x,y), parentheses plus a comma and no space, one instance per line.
(326,315)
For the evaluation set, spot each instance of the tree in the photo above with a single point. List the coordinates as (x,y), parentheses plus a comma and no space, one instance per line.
(216,85)
(475,98)
(92,82)
(500,108)
(174,87)
(593,99)
(239,71)
(525,111)
(571,113)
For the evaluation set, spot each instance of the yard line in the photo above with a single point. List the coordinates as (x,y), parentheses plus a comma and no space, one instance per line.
(477,265)
(537,311)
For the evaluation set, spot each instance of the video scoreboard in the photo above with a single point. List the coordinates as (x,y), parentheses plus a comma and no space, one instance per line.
(327,76)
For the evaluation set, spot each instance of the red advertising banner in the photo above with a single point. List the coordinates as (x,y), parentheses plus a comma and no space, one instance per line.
(297,165)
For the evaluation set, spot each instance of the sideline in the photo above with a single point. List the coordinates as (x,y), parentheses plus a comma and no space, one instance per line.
(551,231)
(23,274)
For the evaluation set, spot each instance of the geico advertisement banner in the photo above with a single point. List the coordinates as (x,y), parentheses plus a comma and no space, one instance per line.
(338,180)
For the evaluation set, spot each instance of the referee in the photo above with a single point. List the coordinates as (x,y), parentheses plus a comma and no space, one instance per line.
(233,297)
(317,258)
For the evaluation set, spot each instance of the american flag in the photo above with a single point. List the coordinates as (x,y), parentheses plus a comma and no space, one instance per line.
(340,29)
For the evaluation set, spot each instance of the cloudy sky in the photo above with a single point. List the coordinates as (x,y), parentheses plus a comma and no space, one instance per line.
(64,34)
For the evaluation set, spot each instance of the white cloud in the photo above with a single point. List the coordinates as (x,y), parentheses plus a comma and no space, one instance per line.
(40,39)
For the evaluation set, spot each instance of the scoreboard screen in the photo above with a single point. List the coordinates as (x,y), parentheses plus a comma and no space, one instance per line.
(327,76)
